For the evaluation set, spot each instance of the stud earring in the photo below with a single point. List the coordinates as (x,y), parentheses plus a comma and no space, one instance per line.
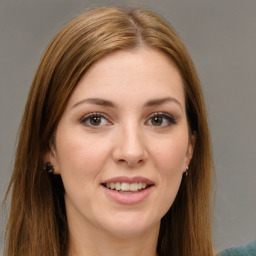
(49,168)
(186,173)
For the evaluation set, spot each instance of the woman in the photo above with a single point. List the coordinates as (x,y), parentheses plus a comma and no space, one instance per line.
(114,152)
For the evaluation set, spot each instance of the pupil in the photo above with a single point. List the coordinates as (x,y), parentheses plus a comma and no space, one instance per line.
(157,120)
(95,120)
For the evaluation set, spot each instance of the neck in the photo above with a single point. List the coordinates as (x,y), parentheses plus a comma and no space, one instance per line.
(105,244)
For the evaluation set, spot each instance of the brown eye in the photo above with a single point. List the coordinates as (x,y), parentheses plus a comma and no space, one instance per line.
(95,120)
(157,120)
(161,120)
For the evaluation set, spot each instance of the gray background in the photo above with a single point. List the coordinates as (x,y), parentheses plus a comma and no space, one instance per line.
(221,37)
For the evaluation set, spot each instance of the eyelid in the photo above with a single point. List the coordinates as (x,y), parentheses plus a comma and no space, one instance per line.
(168,116)
(93,114)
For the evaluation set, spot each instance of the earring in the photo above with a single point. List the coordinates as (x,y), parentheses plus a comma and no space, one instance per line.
(49,168)
(186,173)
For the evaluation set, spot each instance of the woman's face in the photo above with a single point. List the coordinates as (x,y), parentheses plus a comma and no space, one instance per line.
(122,144)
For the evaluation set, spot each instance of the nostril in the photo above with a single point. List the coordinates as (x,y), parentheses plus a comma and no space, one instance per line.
(131,162)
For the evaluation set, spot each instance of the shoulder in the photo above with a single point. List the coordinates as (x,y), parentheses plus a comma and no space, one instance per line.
(248,250)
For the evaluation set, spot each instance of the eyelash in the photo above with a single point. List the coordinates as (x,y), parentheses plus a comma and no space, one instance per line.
(164,118)
(167,117)
(89,117)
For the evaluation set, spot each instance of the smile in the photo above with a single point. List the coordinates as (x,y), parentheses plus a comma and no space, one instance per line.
(128,190)
(125,187)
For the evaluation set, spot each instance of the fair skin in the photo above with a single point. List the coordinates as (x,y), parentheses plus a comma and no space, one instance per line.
(121,148)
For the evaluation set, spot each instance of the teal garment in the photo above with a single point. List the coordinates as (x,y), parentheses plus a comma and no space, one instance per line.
(248,250)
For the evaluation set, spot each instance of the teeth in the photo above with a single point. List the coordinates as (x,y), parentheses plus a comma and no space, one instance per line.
(117,186)
(133,186)
(125,186)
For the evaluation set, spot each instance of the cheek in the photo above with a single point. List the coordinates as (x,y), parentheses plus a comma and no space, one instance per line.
(169,156)
(169,161)
(79,156)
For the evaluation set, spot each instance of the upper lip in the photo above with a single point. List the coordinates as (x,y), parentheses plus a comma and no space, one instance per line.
(129,180)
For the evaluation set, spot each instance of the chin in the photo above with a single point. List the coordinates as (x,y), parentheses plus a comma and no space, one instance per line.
(130,225)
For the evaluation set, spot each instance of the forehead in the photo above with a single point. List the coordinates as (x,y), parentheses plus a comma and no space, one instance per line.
(137,74)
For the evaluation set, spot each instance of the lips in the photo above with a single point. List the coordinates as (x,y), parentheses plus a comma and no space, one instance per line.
(128,190)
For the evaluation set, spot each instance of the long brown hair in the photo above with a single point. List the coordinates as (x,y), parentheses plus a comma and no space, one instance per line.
(37,223)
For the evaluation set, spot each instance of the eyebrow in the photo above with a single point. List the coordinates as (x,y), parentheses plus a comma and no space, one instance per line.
(107,103)
(157,102)
(96,101)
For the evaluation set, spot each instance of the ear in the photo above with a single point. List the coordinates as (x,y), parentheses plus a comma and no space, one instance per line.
(190,150)
(51,157)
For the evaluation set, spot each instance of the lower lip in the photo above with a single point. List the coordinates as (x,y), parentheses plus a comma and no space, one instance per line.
(132,198)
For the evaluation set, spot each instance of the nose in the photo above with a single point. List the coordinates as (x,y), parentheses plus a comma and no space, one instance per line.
(130,147)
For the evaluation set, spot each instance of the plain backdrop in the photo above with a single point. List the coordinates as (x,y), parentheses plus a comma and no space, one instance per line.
(221,38)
